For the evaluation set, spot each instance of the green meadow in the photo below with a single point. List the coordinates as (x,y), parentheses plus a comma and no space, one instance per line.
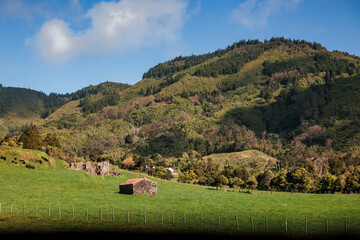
(84,202)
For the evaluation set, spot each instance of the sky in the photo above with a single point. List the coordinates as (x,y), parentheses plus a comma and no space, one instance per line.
(61,46)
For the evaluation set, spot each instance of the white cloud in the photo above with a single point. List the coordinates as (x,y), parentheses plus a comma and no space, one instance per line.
(256,13)
(55,41)
(115,26)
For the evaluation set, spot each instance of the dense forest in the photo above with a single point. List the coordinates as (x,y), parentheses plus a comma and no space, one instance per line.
(290,99)
(27,102)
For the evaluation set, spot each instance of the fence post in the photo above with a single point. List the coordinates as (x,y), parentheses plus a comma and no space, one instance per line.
(36,213)
(326,226)
(266,224)
(73,213)
(59,213)
(345,225)
(11,209)
(113,215)
(87,214)
(305,225)
(128,217)
(24,208)
(237,222)
(49,211)
(144,217)
(285,224)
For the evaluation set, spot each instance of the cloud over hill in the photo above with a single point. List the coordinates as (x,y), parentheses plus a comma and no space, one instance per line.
(114,26)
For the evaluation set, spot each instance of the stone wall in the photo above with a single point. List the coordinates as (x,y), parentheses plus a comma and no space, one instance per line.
(87,167)
(101,168)
(145,187)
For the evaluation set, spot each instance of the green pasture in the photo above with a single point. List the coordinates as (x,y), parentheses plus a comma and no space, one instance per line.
(27,193)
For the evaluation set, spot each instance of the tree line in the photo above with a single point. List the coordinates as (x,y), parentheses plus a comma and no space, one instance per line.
(336,177)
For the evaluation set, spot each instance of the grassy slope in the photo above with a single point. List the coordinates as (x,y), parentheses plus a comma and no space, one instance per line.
(60,187)
(252,160)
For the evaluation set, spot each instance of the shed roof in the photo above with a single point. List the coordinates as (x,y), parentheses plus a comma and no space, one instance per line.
(132,181)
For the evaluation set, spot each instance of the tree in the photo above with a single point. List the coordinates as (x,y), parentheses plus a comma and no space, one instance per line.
(337,167)
(251,183)
(327,78)
(264,178)
(340,183)
(31,138)
(159,172)
(186,177)
(241,173)
(106,157)
(352,183)
(298,179)
(327,183)
(54,152)
(221,180)
(12,143)
(52,140)
(235,182)
(279,182)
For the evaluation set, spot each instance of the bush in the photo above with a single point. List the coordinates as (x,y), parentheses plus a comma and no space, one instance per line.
(29,166)
(251,183)
(106,157)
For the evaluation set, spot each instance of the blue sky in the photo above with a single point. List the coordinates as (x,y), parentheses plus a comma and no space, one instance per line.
(64,45)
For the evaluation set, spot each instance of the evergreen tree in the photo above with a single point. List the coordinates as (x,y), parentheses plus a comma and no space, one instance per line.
(31,138)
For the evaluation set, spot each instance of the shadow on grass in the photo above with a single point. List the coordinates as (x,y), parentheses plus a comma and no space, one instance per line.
(17,226)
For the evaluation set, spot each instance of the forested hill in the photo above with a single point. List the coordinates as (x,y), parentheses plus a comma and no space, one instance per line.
(24,103)
(21,106)
(291,99)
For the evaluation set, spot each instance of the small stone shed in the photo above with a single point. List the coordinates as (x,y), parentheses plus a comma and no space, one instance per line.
(139,186)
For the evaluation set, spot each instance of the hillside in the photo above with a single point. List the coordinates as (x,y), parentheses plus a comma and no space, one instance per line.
(30,159)
(291,99)
(20,106)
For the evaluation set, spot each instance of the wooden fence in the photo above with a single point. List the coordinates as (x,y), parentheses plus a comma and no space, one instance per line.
(249,224)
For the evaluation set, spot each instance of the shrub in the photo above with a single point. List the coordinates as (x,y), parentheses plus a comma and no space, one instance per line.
(29,166)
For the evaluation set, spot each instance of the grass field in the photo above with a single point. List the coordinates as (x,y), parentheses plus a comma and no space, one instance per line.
(33,191)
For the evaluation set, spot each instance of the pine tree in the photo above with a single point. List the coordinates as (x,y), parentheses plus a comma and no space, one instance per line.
(31,138)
